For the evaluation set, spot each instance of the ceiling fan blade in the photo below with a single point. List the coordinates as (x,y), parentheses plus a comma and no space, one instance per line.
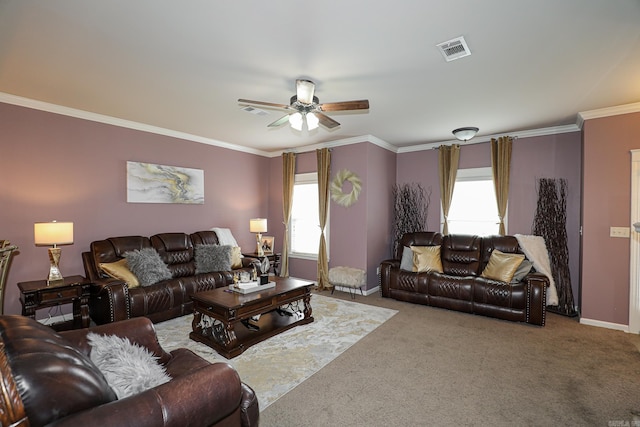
(362,104)
(264,104)
(325,120)
(282,120)
(305,90)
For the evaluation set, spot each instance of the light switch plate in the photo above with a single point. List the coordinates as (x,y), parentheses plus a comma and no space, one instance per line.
(619,232)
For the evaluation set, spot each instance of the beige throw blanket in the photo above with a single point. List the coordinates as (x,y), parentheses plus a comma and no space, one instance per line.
(225,237)
(536,251)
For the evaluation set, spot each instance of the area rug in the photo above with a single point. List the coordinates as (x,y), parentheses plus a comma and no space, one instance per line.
(277,365)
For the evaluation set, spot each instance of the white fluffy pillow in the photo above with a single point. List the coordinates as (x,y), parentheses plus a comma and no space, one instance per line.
(128,368)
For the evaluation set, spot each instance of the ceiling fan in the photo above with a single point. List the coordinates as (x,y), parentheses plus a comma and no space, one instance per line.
(305,106)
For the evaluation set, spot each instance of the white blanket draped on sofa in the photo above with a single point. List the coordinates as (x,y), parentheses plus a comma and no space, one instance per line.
(536,251)
(225,237)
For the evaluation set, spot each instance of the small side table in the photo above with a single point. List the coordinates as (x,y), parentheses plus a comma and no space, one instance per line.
(36,295)
(274,260)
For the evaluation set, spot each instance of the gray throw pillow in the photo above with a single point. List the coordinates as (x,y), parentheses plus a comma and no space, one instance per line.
(128,368)
(212,258)
(147,265)
(406,263)
(523,269)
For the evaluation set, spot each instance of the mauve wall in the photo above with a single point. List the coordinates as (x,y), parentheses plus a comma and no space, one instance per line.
(552,156)
(59,167)
(607,203)
(359,234)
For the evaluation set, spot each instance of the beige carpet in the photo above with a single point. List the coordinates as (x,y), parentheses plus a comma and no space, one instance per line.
(277,365)
(434,367)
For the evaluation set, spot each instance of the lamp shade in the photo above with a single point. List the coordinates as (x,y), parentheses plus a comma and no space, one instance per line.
(465,134)
(258,225)
(312,121)
(296,121)
(53,233)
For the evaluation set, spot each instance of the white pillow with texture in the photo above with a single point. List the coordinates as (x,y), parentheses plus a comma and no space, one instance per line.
(128,368)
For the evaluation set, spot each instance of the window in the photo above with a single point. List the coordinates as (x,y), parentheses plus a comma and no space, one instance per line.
(473,208)
(304,228)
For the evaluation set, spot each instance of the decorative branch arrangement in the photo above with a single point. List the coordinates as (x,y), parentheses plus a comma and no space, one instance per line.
(410,210)
(550,222)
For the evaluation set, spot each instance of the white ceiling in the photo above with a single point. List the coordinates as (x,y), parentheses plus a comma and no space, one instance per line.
(182,65)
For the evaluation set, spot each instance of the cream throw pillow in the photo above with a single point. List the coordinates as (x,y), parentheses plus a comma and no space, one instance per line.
(236,257)
(120,270)
(426,258)
(502,266)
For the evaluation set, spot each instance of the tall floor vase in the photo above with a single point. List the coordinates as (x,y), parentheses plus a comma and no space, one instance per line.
(550,222)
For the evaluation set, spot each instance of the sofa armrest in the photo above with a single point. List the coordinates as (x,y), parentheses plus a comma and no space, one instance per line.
(386,267)
(537,285)
(248,261)
(139,330)
(200,398)
(109,301)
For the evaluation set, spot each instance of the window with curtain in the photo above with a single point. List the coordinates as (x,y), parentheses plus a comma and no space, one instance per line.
(304,228)
(473,207)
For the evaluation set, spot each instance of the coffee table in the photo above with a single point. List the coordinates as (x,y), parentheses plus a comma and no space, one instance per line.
(221,317)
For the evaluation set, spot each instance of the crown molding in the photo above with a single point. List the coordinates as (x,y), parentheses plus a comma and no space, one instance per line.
(607,112)
(555,130)
(101,118)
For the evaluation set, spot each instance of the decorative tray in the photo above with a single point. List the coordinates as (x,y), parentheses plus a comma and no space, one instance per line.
(249,287)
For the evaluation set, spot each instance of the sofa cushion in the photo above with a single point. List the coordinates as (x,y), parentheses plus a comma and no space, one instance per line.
(128,368)
(147,265)
(461,255)
(212,258)
(120,270)
(502,266)
(426,258)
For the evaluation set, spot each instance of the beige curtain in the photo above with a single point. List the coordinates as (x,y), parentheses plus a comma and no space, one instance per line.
(448,157)
(324,170)
(501,167)
(288,179)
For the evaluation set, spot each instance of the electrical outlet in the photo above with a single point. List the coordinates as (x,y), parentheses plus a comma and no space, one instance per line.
(619,232)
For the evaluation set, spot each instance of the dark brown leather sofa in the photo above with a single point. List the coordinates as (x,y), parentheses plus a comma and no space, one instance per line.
(460,287)
(112,300)
(48,379)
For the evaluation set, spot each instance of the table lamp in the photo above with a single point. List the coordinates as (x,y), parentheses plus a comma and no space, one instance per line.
(52,234)
(258,226)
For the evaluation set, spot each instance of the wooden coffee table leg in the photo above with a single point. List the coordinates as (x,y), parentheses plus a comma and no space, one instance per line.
(307,306)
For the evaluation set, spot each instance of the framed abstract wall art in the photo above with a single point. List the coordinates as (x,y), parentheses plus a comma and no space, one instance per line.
(151,183)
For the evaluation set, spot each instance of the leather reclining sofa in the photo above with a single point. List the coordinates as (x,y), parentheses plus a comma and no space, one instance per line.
(112,300)
(461,286)
(49,379)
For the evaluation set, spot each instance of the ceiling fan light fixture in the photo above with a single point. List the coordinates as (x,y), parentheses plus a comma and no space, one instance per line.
(466,133)
(295,120)
(312,121)
(305,89)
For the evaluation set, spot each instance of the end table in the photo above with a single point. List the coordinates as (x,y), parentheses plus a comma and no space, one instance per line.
(274,260)
(36,295)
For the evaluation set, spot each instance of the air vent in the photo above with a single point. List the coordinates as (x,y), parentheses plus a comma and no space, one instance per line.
(254,110)
(454,49)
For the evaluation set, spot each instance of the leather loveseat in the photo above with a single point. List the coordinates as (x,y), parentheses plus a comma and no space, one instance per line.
(112,299)
(48,378)
(460,286)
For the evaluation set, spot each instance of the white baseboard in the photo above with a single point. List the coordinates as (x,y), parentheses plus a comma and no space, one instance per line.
(601,324)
